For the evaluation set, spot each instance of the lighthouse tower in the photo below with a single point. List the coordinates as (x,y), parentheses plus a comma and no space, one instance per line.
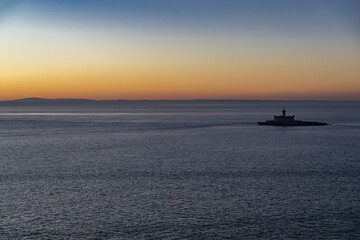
(283,117)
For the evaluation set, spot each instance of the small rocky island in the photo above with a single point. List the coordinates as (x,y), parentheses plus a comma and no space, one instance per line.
(283,120)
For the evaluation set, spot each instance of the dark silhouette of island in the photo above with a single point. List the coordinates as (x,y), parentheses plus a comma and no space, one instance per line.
(283,120)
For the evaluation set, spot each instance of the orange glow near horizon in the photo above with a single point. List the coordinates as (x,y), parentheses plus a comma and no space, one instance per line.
(183,83)
(39,61)
(184,77)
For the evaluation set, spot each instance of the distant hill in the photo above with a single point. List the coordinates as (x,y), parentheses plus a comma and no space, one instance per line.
(44,102)
(35,102)
(89,103)
(35,99)
(121,103)
(27,99)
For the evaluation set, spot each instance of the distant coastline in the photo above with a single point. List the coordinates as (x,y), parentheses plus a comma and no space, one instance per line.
(38,99)
(199,103)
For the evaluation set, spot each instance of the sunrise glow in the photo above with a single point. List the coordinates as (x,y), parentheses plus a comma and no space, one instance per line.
(183,50)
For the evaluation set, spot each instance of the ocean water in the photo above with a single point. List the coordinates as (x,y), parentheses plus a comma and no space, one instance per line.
(180,170)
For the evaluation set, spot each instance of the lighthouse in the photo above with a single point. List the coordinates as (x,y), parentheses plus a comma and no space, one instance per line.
(283,117)
(283,120)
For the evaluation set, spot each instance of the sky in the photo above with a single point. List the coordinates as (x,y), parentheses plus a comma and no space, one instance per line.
(183,49)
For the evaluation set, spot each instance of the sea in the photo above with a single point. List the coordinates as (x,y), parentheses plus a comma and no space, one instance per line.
(200,169)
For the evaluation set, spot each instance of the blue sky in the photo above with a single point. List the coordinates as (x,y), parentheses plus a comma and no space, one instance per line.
(270,13)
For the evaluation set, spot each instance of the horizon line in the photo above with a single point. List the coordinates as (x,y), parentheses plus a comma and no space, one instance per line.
(194,99)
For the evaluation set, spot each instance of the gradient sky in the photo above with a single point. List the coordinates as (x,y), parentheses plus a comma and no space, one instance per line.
(184,49)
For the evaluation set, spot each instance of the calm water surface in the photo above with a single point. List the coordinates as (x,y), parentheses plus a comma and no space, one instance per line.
(191,171)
